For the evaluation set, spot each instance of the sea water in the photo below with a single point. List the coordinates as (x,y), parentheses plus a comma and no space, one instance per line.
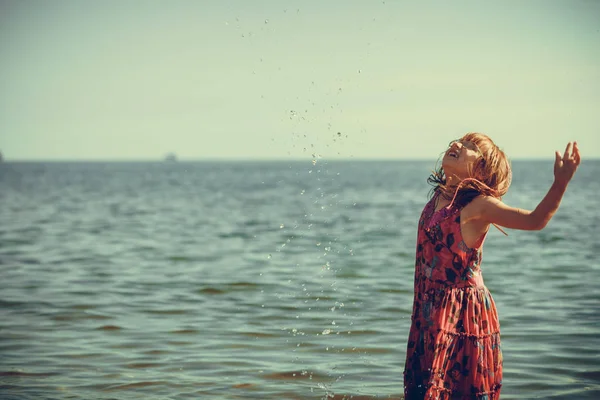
(269,280)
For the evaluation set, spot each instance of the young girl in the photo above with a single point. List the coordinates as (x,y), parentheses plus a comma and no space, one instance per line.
(453,347)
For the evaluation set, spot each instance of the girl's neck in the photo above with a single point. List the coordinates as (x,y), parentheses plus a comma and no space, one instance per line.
(453,181)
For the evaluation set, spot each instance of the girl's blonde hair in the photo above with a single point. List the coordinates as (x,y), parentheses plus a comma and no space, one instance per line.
(490,174)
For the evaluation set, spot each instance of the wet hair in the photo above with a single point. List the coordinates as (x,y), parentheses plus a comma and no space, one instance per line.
(489,175)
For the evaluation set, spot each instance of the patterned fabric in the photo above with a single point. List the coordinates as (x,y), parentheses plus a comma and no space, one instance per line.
(454,341)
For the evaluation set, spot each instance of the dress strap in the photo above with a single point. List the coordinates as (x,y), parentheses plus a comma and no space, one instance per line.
(458,187)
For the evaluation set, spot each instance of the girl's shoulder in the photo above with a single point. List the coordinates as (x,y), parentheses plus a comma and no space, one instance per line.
(484,200)
(481,204)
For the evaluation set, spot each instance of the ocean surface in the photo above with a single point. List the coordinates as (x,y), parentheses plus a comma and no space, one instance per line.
(269,280)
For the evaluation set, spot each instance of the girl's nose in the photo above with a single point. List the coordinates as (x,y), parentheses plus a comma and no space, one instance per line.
(457,143)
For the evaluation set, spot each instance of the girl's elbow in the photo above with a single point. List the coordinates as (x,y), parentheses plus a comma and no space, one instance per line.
(537,221)
(538,225)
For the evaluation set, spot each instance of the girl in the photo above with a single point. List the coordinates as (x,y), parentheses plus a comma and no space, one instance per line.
(453,347)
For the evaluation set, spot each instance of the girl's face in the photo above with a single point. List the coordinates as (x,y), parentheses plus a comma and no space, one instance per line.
(459,159)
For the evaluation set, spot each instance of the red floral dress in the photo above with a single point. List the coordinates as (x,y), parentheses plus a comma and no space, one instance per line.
(453,347)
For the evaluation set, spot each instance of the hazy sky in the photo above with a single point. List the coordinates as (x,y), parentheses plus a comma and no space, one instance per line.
(269,79)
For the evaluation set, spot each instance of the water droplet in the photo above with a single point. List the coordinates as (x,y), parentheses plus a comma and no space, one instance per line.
(268,257)
(266,21)
(281,226)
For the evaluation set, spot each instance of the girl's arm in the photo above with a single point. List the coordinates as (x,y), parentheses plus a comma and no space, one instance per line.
(494,211)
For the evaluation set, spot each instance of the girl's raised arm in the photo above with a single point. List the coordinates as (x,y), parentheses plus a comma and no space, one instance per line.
(494,211)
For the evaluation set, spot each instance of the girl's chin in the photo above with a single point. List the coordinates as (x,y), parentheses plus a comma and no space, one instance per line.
(451,173)
(447,163)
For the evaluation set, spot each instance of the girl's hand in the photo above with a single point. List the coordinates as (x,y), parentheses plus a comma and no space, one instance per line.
(565,166)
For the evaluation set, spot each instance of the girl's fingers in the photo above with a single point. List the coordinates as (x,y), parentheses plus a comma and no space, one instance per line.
(576,153)
(568,151)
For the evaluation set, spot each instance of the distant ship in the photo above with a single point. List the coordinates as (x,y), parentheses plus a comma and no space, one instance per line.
(171,157)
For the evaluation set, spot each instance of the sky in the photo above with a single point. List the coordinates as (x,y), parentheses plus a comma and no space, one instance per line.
(279,79)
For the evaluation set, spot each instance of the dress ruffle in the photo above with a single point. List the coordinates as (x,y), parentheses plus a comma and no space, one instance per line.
(440,393)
